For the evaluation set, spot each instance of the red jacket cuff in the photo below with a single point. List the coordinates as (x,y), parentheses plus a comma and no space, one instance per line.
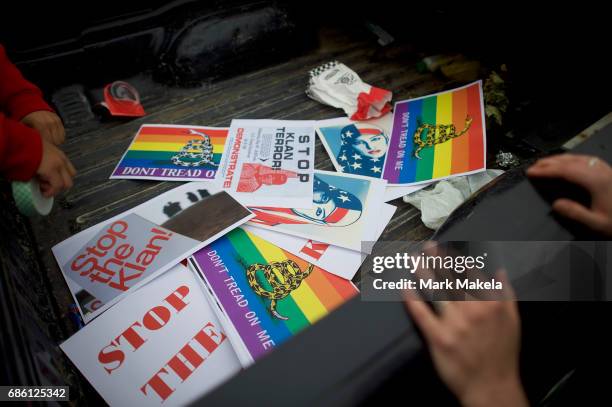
(21,150)
(25,103)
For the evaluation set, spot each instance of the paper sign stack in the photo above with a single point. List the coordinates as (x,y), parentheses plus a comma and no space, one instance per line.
(271,243)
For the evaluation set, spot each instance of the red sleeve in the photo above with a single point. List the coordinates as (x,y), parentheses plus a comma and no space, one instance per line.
(20,150)
(18,97)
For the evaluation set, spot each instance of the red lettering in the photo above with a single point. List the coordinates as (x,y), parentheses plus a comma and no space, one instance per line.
(78,266)
(118,233)
(111,242)
(106,269)
(132,336)
(121,285)
(94,250)
(209,337)
(112,356)
(233,159)
(146,257)
(206,337)
(104,243)
(176,298)
(161,232)
(124,251)
(158,385)
(156,318)
(180,368)
(161,235)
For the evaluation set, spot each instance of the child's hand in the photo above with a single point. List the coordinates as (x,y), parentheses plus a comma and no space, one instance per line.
(55,171)
(48,124)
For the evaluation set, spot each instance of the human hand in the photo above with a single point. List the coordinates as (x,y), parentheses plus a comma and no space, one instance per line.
(48,124)
(589,172)
(475,347)
(55,171)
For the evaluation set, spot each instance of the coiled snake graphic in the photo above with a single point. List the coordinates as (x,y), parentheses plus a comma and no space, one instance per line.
(283,276)
(445,133)
(195,152)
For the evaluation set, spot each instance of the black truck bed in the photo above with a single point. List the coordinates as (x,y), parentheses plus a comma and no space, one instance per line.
(275,92)
(32,289)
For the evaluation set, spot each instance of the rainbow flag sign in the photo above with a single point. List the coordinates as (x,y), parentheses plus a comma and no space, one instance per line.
(265,295)
(173,153)
(437,136)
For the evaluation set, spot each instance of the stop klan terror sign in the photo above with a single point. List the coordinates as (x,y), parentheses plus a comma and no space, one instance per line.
(161,345)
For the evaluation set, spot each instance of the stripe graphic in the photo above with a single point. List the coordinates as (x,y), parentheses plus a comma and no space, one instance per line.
(224,264)
(430,117)
(173,152)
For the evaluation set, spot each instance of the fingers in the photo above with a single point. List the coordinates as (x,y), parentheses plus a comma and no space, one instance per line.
(55,170)
(507,290)
(562,166)
(410,295)
(430,247)
(562,158)
(423,316)
(555,163)
(46,132)
(571,167)
(59,134)
(573,210)
(66,171)
(67,178)
(48,124)
(54,130)
(53,183)
(69,167)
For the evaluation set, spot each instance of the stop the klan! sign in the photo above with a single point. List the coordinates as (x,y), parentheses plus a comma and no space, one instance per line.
(124,253)
(161,345)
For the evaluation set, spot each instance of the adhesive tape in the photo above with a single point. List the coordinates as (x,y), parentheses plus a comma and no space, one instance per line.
(29,200)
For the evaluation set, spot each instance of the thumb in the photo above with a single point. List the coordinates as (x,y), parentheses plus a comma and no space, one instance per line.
(575,211)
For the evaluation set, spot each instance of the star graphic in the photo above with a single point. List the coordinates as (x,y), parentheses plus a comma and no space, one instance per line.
(348,134)
(331,187)
(356,156)
(343,157)
(376,169)
(375,159)
(341,168)
(356,165)
(344,198)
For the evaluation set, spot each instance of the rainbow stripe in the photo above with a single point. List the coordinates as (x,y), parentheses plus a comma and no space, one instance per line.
(154,146)
(317,295)
(461,155)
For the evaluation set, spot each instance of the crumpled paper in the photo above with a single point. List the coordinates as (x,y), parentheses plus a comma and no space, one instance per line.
(337,85)
(437,203)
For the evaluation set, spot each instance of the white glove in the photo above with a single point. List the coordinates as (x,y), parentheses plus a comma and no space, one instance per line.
(337,85)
